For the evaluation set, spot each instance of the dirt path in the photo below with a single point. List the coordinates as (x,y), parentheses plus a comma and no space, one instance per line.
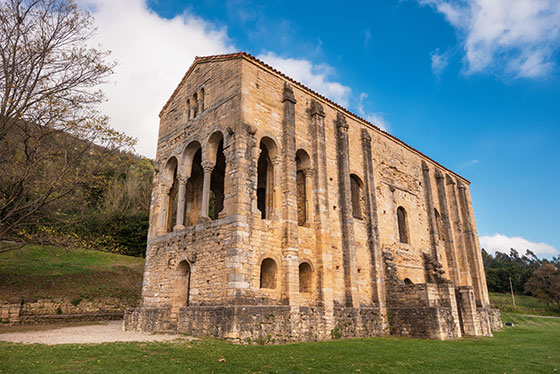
(99,333)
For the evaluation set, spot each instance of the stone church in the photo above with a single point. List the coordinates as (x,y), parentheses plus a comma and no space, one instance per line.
(277,215)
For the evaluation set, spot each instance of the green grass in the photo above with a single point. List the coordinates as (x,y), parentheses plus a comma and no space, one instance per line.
(524,305)
(35,272)
(532,346)
(48,260)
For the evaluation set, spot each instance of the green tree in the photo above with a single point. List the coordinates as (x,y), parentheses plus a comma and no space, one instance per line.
(545,283)
(53,139)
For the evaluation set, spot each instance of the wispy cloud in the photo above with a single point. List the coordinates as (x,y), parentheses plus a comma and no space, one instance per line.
(471,162)
(374,117)
(514,37)
(153,54)
(439,62)
(502,243)
(367,38)
(317,76)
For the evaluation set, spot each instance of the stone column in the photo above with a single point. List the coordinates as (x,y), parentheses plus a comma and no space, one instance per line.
(181,203)
(290,255)
(449,242)
(207,167)
(374,244)
(276,196)
(308,174)
(164,190)
(325,282)
(346,218)
(434,237)
(464,272)
(473,251)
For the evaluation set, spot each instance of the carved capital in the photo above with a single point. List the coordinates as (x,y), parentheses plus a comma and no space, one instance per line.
(308,172)
(449,180)
(317,109)
(182,179)
(425,166)
(165,188)
(276,160)
(207,166)
(438,174)
(288,94)
(460,185)
(341,123)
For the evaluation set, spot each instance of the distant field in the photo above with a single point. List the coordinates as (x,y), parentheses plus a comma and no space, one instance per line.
(532,346)
(524,305)
(36,272)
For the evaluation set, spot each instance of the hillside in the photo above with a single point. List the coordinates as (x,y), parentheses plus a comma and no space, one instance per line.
(45,272)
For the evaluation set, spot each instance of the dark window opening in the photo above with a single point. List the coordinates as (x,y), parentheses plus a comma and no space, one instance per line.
(401,219)
(268,274)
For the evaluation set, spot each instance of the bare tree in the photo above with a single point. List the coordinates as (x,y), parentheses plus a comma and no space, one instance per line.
(52,136)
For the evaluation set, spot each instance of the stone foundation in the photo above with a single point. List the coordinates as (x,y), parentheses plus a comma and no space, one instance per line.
(261,324)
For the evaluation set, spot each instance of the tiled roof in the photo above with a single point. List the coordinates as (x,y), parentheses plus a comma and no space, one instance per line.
(309,90)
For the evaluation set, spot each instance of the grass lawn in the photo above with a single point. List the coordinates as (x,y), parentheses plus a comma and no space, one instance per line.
(532,346)
(35,272)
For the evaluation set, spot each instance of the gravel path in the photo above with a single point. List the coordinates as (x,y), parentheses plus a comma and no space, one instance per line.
(100,333)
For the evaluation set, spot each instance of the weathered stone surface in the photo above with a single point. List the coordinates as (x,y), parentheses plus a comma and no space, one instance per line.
(274,219)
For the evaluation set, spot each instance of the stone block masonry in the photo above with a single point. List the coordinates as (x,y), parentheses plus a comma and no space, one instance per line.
(279,216)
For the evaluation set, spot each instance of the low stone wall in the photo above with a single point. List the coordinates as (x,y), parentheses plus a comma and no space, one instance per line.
(495,319)
(64,310)
(261,324)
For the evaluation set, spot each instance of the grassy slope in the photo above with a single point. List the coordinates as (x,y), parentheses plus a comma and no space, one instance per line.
(49,272)
(529,347)
(523,305)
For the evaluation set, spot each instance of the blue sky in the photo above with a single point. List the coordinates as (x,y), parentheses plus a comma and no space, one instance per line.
(474,84)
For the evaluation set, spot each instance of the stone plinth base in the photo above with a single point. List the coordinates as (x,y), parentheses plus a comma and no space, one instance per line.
(261,324)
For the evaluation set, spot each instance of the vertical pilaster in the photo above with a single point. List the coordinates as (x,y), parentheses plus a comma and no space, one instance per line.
(473,251)
(289,203)
(181,203)
(374,244)
(164,190)
(321,215)
(430,210)
(465,272)
(448,234)
(347,221)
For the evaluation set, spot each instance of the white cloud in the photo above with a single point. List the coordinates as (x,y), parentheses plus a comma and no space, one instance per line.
(439,62)
(518,37)
(374,117)
(315,76)
(153,55)
(502,243)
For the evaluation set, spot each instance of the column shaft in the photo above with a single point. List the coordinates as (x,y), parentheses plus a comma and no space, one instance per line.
(181,203)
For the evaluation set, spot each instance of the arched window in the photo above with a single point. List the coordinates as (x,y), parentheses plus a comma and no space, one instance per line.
(182,285)
(356,191)
(403,229)
(265,178)
(303,165)
(268,273)
(194,105)
(193,196)
(216,198)
(201,100)
(305,277)
(171,208)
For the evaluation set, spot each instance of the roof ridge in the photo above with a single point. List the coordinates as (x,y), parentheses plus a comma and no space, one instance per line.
(322,97)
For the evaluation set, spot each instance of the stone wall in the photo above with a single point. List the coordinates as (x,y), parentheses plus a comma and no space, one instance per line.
(59,310)
(306,185)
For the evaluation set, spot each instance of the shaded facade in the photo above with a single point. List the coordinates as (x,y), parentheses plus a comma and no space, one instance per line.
(278,215)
